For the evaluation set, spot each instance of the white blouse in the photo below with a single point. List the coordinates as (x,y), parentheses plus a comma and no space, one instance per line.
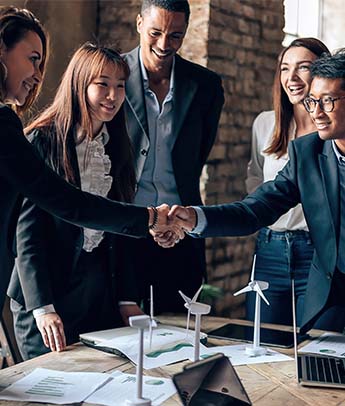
(94,168)
(263,167)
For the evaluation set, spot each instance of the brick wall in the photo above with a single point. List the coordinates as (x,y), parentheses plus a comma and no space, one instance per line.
(239,39)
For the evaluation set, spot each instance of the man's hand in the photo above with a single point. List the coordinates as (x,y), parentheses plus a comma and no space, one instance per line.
(127,311)
(165,232)
(185,217)
(51,328)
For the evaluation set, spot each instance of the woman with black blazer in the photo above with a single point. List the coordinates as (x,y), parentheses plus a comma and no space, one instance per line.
(23,55)
(66,278)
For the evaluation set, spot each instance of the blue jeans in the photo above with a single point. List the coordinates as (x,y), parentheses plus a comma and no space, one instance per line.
(278,255)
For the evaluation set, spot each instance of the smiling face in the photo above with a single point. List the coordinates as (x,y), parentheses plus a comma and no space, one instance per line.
(329,125)
(22,62)
(161,36)
(105,95)
(295,75)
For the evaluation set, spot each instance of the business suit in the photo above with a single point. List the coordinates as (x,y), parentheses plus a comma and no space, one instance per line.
(311,178)
(197,103)
(52,268)
(23,173)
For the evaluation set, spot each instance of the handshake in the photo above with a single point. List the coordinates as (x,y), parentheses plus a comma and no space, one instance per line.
(169,225)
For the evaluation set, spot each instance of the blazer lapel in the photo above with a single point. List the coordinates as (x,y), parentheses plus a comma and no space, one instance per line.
(329,173)
(135,92)
(185,88)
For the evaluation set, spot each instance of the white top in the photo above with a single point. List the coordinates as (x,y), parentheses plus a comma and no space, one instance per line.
(94,168)
(263,167)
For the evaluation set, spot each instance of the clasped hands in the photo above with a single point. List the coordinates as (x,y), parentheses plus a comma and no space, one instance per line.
(171,224)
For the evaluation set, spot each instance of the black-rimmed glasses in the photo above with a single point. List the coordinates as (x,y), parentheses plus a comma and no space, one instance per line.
(326,103)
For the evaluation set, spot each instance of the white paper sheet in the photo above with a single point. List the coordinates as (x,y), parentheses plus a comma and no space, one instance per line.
(123,387)
(168,346)
(238,356)
(330,344)
(48,386)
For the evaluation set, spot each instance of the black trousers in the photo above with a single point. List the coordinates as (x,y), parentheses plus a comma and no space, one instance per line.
(168,270)
(88,304)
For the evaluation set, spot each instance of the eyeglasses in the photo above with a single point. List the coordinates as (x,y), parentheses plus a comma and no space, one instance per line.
(326,103)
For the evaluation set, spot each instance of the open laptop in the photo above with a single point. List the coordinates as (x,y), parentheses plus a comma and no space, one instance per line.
(321,370)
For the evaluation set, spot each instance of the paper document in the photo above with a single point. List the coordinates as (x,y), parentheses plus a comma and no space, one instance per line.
(237,355)
(332,344)
(48,386)
(123,387)
(168,346)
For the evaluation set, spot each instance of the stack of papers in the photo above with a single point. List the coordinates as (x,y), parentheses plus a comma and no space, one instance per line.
(168,346)
(330,344)
(48,386)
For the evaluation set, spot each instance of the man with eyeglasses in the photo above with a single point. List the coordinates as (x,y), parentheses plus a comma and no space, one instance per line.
(313,176)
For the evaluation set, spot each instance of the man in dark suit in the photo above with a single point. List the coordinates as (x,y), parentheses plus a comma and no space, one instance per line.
(173,108)
(315,177)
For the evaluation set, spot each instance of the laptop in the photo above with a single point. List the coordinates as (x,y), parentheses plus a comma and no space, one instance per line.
(321,370)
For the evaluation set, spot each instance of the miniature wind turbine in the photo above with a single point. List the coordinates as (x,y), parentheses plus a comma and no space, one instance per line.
(198,309)
(140,322)
(258,287)
(152,320)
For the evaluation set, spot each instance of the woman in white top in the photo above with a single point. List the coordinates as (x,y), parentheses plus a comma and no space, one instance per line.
(66,279)
(283,250)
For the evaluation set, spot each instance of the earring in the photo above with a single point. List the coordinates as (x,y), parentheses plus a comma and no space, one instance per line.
(3,71)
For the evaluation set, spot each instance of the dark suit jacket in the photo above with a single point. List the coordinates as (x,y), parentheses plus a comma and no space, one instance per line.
(311,178)
(197,104)
(23,172)
(49,248)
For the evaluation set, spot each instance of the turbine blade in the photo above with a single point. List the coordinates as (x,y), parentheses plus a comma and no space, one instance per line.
(243,290)
(150,335)
(259,291)
(253,269)
(197,294)
(185,298)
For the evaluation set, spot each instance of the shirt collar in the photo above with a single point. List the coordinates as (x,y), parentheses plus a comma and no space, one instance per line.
(102,134)
(338,154)
(146,79)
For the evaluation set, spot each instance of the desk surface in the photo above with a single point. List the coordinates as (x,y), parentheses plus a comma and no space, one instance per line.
(270,384)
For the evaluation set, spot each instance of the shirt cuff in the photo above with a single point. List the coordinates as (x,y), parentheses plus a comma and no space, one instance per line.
(126,303)
(43,310)
(201,221)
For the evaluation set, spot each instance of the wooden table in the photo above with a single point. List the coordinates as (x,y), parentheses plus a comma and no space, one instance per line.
(270,384)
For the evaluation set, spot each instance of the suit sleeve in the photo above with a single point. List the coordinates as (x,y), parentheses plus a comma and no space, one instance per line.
(32,263)
(259,209)
(211,118)
(27,173)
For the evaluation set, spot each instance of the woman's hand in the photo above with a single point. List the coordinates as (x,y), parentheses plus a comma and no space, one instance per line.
(51,328)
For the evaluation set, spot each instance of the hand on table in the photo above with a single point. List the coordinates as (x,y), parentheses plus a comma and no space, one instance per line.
(127,311)
(51,328)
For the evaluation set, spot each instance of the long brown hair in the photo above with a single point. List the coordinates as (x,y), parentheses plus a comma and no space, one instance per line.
(69,109)
(283,109)
(15,23)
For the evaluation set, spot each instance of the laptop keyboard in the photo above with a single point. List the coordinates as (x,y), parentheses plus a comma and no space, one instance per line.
(328,369)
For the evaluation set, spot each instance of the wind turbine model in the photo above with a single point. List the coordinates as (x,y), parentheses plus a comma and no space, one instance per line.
(140,322)
(258,287)
(198,309)
(152,320)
